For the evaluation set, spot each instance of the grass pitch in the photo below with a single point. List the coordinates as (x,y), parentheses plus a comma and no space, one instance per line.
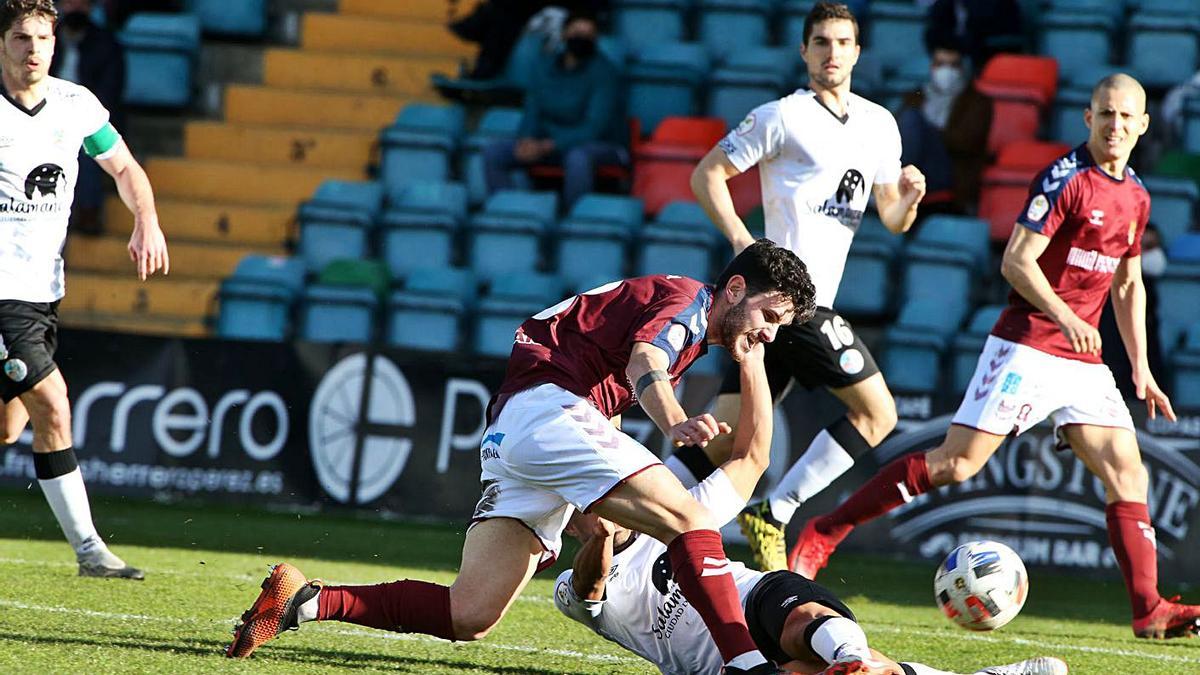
(204,564)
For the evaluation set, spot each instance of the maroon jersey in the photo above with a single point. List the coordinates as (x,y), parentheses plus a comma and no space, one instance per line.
(583,343)
(1093,221)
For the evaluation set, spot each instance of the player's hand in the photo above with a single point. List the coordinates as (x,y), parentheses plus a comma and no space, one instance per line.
(1083,336)
(585,526)
(1147,390)
(148,250)
(698,430)
(912,185)
(753,358)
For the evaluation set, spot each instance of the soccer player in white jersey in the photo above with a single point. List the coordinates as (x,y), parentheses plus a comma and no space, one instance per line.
(821,153)
(621,585)
(43,123)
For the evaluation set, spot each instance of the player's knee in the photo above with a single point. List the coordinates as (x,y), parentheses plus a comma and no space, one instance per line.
(475,624)
(876,422)
(56,415)
(962,468)
(1128,483)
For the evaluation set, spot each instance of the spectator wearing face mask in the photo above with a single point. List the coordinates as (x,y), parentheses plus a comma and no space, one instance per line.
(89,55)
(572,115)
(944,129)
(1154,264)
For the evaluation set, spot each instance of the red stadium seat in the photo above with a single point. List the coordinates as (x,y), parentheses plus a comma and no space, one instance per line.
(662,165)
(1014,72)
(1002,197)
(1025,154)
(693,131)
(1013,120)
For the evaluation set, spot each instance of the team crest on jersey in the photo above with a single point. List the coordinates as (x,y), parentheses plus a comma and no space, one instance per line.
(746,126)
(44,180)
(1097,218)
(1038,207)
(1132,231)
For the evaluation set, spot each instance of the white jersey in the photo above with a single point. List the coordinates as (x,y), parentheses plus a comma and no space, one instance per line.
(644,610)
(39,163)
(817,172)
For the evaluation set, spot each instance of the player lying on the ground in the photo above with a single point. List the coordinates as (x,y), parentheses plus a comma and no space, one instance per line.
(621,585)
(551,448)
(1079,237)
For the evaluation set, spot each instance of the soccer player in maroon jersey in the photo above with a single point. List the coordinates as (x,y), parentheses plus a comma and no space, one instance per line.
(550,449)
(1079,237)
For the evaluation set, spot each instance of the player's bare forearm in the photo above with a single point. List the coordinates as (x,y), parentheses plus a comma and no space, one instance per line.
(657,397)
(1129,309)
(897,217)
(712,193)
(897,202)
(133,185)
(591,566)
(752,443)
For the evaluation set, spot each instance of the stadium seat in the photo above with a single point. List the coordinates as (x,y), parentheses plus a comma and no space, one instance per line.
(1178,289)
(1186,366)
(911,360)
(866,288)
(161,51)
(959,233)
(420,228)
(726,26)
(1172,205)
(872,229)
(1002,197)
(643,22)
(895,31)
(1185,248)
(531,205)
(1163,50)
(1030,155)
(792,15)
(545,289)
(497,124)
(355,273)
(1020,87)
(734,91)
(615,209)
(1167,8)
(664,80)
(1191,125)
(968,345)
(901,80)
(427,314)
(338,314)
(421,143)
(1077,39)
(587,248)
(253,311)
(1066,123)
(244,18)
(506,235)
(940,277)
(662,165)
(284,272)
(670,249)
(337,221)
(496,323)
(508,87)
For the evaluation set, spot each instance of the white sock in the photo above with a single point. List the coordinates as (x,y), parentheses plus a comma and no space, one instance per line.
(823,461)
(748,660)
(681,472)
(922,669)
(69,501)
(839,638)
(308,610)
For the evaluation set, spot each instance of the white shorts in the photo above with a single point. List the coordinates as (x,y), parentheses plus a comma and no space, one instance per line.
(1016,386)
(548,453)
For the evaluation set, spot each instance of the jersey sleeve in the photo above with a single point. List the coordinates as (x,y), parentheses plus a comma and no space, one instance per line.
(100,137)
(888,172)
(719,496)
(570,604)
(1050,199)
(675,322)
(759,136)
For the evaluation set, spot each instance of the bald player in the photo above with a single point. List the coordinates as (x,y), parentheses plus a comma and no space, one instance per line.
(1077,242)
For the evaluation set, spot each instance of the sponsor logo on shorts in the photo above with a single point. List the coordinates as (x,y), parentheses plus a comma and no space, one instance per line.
(1038,207)
(1012,382)
(490,448)
(1005,410)
(1023,416)
(851,361)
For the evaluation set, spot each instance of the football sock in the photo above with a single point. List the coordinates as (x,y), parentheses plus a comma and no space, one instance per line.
(1132,538)
(835,638)
(911,668)
(701,569)
(403,606)
(690,465)
(830,454)
(895,484)
(61,481)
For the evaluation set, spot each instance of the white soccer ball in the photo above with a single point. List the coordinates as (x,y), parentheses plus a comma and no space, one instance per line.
(981,585)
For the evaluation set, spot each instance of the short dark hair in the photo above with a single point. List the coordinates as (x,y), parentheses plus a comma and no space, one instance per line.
(13,10)
(828,11)
(767,267)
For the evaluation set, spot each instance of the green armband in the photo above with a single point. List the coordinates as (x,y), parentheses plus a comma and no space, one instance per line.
(102,141)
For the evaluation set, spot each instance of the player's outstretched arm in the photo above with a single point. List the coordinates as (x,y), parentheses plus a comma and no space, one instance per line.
(709,185)
(147,245)
(594,559)
(647,372)
(1020,268)
(1129,309)
(752,445)
(897,202)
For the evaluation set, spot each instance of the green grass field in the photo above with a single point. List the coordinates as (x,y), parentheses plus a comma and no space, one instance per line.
(204,565)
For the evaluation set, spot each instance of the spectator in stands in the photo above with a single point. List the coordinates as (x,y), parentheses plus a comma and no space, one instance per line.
(89,55)
(944,129)
(983,27)
(495,25)
(1174,104)
(572,115)
(1154,263)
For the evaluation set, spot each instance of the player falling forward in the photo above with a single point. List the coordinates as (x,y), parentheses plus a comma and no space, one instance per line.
(1079,236)
(550,448)
(821,153)
(43,123)
(621,585)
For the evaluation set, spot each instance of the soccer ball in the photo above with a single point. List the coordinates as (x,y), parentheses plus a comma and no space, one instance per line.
(981,585)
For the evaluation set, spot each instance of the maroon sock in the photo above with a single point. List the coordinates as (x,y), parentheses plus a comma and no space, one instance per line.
(1132,539)
(402,606)
(700,568)
(879,495)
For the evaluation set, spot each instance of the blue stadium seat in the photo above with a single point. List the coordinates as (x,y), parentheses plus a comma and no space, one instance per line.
(1066,123)
(792,14)
(1185,248)
(252,310)
(422,142)
(545,289)
(942,276)
(243,18)
(1172,205)
(337,222)
(959,233)
(161,51)
(895,33)
(1186,366)
(338,314)
(902,79)
(1167,8)
(714,363)
(911,360)
(420,229)
(615,209)
(539,206)
(1177,290)
(496,323)
(1106,8)
(508,87)
(873,229)
(866,288)
(588,248)
(669,249)
(1076,39)
(732,93)
(968,345)
(1191,125)
(665,80)
(497,124)
(683,214)
(1163,50)
(428,313)
(285,272)
(726,26)
(642,22)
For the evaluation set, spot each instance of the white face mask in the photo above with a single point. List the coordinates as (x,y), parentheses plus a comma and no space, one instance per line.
(1154,262)
(946,78)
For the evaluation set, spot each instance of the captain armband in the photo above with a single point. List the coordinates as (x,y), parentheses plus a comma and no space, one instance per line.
(649,379)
